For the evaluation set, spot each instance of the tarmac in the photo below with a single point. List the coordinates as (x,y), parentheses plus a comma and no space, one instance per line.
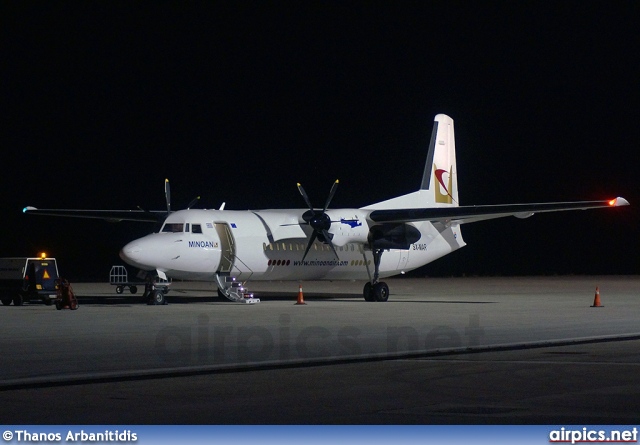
(521,350)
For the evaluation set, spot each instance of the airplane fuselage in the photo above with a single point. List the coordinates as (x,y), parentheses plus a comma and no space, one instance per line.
(269,245)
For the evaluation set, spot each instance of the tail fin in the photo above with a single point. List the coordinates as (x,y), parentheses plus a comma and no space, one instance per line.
(439,186)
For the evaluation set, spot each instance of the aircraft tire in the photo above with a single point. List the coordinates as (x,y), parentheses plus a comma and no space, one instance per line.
(157,298)
(133,289)
(6,301)
(119,289)
(368,292)
(381,291)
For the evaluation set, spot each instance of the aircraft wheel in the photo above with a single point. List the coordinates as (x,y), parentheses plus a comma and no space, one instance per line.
(133,289)
(7,301)
(18,300)
(381,291)
(156,297)
(368,292)
(119,289)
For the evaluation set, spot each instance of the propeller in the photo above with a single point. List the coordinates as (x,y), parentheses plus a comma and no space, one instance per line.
(193,202)
(319,221)
(167,197)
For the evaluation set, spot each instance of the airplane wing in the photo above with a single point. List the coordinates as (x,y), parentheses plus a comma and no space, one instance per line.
(467,214)
(108,215)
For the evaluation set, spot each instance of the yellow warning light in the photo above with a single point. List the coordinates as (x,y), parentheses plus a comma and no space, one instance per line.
(43,255)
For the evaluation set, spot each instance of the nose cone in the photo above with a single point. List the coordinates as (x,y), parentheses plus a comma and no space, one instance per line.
(137,254)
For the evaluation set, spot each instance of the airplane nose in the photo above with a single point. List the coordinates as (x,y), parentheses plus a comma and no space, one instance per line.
(132,254)
(129,252)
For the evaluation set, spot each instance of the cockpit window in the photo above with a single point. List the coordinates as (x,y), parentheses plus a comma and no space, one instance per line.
(173,227)
(196,228)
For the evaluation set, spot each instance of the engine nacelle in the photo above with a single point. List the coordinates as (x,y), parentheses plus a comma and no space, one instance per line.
(393,236)
(348,226)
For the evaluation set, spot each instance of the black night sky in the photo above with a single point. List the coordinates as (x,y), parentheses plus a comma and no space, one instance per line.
(238,101)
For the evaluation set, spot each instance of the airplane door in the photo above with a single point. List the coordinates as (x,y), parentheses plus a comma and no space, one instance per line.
(404,257)
(227,247)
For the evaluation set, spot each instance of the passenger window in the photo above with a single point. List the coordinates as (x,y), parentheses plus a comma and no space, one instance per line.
(196,228)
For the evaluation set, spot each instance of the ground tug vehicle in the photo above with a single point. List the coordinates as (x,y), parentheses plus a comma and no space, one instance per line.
(28,279)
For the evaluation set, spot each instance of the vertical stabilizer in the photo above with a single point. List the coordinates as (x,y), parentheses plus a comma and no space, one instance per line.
(439,186)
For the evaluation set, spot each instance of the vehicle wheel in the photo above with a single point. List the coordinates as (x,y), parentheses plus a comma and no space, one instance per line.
(157,297)
(58,305)
(381,291)
(18,300)
(165,290)
(119,289)
(368,292)
(7,301)
(48,301)
(133,289)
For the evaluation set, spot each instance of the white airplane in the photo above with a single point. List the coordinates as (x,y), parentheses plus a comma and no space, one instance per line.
(379,240)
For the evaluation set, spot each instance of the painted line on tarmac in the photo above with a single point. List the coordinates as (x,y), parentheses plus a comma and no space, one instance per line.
(190,371)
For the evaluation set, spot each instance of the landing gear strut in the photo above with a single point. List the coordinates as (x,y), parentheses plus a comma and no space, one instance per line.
(376,290)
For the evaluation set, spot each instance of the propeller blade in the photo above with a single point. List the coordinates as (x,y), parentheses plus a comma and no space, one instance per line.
(167,195)
(304,195)
(331,193)
(196,199)
(312,238)
(319,221)
(327,237)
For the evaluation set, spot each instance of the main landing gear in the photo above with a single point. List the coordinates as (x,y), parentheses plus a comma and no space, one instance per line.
(376,290)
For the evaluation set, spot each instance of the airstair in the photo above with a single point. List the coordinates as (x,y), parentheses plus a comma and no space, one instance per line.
(234,290)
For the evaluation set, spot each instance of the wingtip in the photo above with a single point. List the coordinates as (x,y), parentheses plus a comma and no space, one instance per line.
(619,202)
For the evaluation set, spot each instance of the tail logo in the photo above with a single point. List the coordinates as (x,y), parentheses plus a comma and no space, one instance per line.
(443,193)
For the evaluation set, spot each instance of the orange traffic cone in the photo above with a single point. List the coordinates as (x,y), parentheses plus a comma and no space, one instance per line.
(596,300)
(300,296)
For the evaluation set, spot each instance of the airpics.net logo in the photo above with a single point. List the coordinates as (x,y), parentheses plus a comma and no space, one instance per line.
(587,435)
(209,342)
